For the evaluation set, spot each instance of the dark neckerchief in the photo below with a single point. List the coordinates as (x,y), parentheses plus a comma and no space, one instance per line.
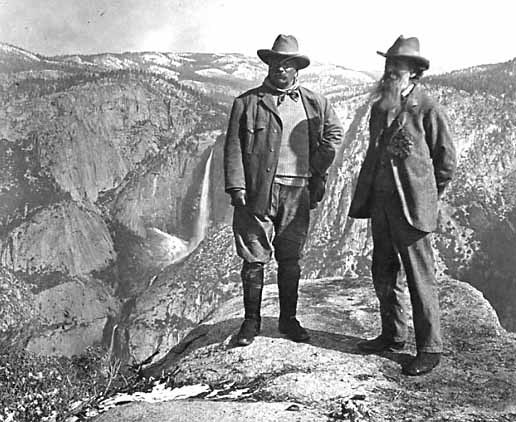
(292,92)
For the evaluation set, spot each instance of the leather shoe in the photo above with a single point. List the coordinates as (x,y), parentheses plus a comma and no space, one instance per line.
(380,344)
(249,329)
(293,330)
(423,363)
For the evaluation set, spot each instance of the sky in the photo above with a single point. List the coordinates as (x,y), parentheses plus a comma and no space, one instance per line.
(453,33)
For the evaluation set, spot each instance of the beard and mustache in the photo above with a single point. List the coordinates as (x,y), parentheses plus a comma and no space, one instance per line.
(388,93)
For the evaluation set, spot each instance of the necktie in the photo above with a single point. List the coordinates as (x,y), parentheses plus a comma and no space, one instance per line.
(293,94)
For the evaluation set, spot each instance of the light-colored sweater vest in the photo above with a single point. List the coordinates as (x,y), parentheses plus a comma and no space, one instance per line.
(294,150)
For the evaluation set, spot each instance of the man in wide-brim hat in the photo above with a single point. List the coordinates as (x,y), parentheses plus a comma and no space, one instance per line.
(407,50)
(285,47)
(409,163)
(280,142)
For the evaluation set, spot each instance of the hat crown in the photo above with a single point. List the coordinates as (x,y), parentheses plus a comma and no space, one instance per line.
(285,44)
(404,47)
(284,47)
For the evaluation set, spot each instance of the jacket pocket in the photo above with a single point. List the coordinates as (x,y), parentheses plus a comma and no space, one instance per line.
(253,131)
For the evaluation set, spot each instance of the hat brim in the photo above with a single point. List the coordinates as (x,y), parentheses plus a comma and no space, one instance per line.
(301,61)
(419,60)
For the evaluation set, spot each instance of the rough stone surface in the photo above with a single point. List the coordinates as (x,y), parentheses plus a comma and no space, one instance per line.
(72,316)
(162,193)
(475,381)
(85,158)
(63,237)
(181,296)
(68,341)
(214,411)
(75,302)
(17,312)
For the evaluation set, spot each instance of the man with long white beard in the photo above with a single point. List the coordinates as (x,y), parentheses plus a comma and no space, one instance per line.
(409,162)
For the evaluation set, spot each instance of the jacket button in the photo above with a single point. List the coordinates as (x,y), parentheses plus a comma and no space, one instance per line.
(271,150)
(268,169)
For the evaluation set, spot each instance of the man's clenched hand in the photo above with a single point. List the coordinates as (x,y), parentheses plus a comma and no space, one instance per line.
(238,198)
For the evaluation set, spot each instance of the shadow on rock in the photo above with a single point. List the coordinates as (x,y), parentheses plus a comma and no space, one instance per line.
(224,334)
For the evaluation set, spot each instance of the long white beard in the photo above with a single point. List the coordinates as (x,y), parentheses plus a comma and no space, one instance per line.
(389,94)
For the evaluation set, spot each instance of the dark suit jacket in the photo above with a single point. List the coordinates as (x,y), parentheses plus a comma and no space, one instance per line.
(253,139)
(423,174)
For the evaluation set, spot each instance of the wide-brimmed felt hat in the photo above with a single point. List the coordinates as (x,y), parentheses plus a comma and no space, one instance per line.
(286,47)
(406,48)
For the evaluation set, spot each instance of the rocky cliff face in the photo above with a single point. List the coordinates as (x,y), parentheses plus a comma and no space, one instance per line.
(17,312)
(179,297)
(477,230)
(103,159)
(73,315)
(62,237)
(96,167)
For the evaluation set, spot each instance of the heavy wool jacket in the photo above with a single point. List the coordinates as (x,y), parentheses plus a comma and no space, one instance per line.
(422,159)
(253,140)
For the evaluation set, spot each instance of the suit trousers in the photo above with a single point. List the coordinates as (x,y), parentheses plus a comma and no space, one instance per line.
(394,239)
(283,229)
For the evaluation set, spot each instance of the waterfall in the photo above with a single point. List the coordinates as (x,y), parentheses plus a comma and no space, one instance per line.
(169,249)
(203,218)
(165,248)
(154,185)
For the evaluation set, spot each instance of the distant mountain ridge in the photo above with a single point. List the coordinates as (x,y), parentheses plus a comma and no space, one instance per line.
(496,79)
(219,74)
(16,59)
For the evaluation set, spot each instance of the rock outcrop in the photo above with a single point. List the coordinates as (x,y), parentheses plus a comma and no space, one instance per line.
(179,298)
(329,378)
(162,193)
(17,313)
(338,245)
(192,410)
(63,237)
(477,230)
(73,316)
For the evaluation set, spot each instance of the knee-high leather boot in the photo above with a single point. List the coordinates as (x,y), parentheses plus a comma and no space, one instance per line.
(252,280)
(289,273)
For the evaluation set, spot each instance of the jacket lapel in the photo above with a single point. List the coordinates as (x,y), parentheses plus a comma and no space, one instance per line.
(268,101)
